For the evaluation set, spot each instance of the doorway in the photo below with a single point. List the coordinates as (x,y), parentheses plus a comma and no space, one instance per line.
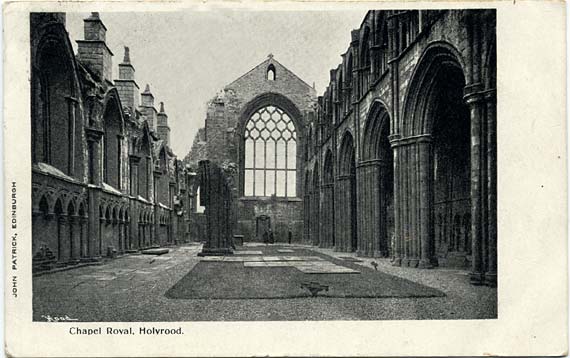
(262,226)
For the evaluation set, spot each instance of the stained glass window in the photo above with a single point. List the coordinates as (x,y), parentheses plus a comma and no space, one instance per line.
(270,154)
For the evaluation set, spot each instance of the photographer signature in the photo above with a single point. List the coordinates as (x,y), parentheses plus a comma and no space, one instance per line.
(65,318)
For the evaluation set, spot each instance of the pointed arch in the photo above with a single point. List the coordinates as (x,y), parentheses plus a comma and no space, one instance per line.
(113,128)
(54,93)
(270,130)
(271,74)
(440,63)
(376,132)
(346,155)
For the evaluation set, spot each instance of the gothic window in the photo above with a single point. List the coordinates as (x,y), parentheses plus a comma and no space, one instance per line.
(111,145)
(270,154)
(271,73)
(348,80)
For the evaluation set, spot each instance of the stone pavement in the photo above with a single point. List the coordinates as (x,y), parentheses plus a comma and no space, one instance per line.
(132,288)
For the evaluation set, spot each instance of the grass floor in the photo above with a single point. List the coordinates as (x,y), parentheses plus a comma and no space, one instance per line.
(231,280)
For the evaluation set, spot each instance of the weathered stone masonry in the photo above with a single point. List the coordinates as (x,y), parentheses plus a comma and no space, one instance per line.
(407,126)
(104,179)
(222,141)
(397,158)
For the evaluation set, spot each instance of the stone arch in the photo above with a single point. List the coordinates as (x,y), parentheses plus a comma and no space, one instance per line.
(346,155)
(53,82)
(364,58)
(438,59)
(108,214)
(70,208)
(82,208)
(113,127)
(376,185)
(292,111)
(145,163)
(377,125)
(43,205)
(271,74)
(436,165)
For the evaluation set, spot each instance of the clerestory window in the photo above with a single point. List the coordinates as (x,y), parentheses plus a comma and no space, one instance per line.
(270,154)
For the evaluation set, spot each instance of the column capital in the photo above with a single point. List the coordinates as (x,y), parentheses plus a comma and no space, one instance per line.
(403,141)
(372,163)
(473,93)
(344,177)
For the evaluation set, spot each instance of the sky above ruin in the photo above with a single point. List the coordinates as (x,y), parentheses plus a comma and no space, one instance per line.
(188,57)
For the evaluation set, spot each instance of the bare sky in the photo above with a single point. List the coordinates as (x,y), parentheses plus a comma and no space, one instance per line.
(187,57)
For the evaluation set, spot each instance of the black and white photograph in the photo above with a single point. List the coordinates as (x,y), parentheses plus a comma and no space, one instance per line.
(238,165)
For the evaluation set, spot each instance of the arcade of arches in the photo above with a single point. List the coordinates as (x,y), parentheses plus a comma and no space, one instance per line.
(406,142)
(104,179)
(396,159)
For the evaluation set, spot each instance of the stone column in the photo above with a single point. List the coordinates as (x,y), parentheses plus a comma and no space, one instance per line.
(94,225)
(74,237)
(328,222)
(474,102)
(307,212)
(405,198)
(426,201)
(63,232)
(413,192)
(36,230)
(369,208)
(121,225)
(491,275)
(383,239)
(83,237)
(102,230)
(397,249)
(341,213)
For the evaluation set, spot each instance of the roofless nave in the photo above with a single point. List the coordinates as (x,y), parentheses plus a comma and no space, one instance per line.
(396,159)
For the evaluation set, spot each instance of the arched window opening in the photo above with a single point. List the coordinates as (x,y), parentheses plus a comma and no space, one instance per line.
(385,51)
(199,208)
(112,145)
(348,81)
(143,168)
(347,190)
(339,97)
(365,61)
(271,73)
(52,108)
(270,154)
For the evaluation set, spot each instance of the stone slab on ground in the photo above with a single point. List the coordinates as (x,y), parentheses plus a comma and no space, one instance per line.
(283,279)
(247,252)
(159,251)
(285,251)
(132,296)
(212,258)
(255,264)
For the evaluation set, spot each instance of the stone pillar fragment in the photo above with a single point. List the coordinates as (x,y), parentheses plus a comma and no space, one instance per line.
(216,196)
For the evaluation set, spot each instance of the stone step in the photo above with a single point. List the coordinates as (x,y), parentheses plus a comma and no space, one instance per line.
(160,251)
